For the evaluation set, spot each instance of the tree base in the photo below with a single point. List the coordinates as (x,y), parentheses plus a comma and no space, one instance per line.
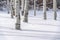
(45,16)
(18,26)
(55,16)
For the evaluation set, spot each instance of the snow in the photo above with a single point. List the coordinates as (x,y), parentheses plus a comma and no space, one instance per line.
(36,29)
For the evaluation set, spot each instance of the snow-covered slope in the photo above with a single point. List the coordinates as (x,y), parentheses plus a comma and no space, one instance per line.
(36,29)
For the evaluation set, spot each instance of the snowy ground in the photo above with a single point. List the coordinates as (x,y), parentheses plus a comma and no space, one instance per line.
(36,29)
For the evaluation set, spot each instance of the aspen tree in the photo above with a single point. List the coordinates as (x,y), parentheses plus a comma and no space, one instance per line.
(54,9)
(18,14)
(34,7)
(8,6)
(44,9)
(22,6)
(26,11)
(12,8)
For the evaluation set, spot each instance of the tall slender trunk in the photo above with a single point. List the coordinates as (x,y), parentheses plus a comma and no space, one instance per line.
(26,11)
(44,9)
(34,7)
(8,6)
(18,14)
(54,9)
(22,6)
(12,8)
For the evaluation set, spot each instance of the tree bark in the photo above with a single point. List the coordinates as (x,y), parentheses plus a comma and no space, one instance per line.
(54,9)
(8,6)
(12,8)
(18,14)
(26,11)
(34,7)
(22,6)
(44,9)
(12,3)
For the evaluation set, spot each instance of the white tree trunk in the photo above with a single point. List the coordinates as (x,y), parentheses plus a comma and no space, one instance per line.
(12,3)
(14,7)
(11,8)
(54,9)
(18,14)
(34,7)
(8,6)
(22,6)
(26,11)
(44,9)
